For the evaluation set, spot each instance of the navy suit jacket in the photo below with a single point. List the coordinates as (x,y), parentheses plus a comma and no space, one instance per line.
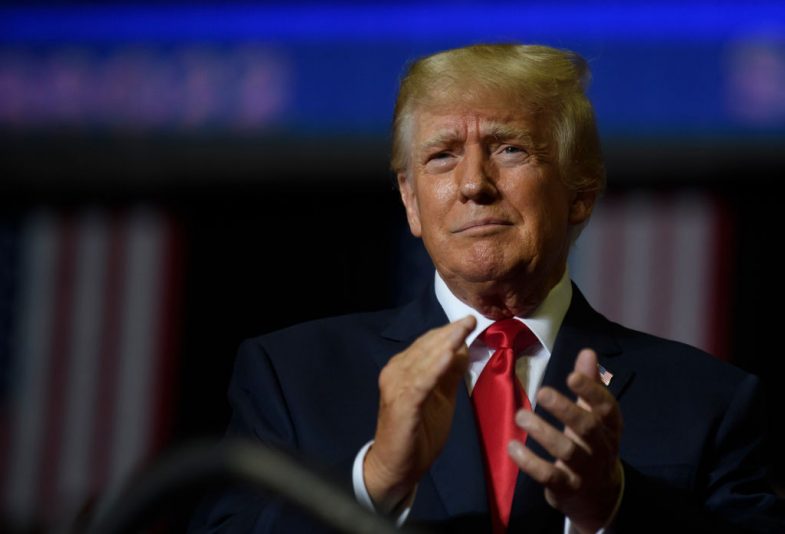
(692,445)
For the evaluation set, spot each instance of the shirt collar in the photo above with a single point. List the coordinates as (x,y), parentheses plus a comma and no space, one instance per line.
(544,321)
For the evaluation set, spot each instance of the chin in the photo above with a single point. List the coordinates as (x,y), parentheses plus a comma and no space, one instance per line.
(482,274)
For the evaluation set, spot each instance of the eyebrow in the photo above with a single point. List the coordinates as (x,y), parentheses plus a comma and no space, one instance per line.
(441,138)
(497,131)
(500,131)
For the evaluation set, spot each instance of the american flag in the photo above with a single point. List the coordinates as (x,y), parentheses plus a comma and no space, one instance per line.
(605,375)
(88,355)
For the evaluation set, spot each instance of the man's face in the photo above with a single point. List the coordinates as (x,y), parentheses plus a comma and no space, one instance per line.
(483,191)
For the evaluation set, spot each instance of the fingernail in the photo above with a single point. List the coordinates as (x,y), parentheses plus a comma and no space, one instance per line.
(515,449)
(522,418)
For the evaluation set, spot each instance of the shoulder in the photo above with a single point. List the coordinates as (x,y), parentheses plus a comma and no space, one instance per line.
(320,347)
(678,385)
(375,334)
(669,359)
(662,360)
(351,328)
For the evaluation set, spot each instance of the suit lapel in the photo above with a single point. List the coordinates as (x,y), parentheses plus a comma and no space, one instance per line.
(458,472)
(582,328)
(412,320)
(456,477)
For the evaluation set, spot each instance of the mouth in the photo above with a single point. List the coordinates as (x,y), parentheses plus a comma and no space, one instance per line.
(482,225)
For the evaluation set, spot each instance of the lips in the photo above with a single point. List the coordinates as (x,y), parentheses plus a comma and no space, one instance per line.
(481,224)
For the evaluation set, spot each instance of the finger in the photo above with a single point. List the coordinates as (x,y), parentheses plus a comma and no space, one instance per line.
(558,444)
(462,328)
(596,398)
(449,379)
(586,364)
(456,338)
(593,393)
(455,333)
(580,420)
(558,479)
(435,351)
(435,343)
(440,356)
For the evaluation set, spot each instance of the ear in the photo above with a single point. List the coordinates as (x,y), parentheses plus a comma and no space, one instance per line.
(581,206)
(409,199)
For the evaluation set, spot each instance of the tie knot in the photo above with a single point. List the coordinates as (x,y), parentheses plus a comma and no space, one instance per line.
(507,334)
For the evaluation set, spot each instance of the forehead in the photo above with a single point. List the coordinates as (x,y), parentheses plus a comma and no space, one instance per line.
(459,121)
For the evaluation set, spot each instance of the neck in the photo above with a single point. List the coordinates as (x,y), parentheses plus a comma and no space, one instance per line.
(501,299)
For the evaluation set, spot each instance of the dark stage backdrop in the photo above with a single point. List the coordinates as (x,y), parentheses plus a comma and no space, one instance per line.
(178,178)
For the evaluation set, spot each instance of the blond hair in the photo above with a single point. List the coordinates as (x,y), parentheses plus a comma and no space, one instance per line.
(548,82)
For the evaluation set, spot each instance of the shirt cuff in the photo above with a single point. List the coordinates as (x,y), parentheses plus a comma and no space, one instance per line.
(608,528)
(399,513)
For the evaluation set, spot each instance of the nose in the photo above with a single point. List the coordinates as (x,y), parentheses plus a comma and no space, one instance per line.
(475,180)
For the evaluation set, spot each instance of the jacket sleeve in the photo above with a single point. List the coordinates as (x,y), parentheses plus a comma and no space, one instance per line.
(732,493)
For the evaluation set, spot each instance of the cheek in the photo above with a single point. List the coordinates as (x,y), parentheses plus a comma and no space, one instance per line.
(556,221)
(435,202)
(443,191)
(545,214)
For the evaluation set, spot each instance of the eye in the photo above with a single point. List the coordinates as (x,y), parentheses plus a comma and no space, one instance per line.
(440,161)
(439,155)
(512,154)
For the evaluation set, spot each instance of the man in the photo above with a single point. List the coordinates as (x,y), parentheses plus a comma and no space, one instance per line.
(499,166)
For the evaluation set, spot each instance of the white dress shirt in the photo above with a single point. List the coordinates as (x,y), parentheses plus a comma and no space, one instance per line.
(530,365)
(544,323)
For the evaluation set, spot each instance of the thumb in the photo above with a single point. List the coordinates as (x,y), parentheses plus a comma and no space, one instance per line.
(586,364)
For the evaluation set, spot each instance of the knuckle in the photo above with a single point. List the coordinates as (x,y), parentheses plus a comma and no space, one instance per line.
(569,452)
(386,376)
(558,407)
(589,424)
(605,410)
(574,413)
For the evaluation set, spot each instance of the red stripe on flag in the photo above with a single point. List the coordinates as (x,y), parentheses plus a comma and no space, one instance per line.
(721,298)
(168,348)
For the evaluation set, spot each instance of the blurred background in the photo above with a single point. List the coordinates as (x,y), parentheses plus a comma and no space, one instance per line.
(178,177)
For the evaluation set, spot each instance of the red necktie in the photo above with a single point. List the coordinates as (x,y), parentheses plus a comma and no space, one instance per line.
(496,397)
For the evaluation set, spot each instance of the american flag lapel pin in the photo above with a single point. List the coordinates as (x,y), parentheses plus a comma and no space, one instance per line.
(605,375)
